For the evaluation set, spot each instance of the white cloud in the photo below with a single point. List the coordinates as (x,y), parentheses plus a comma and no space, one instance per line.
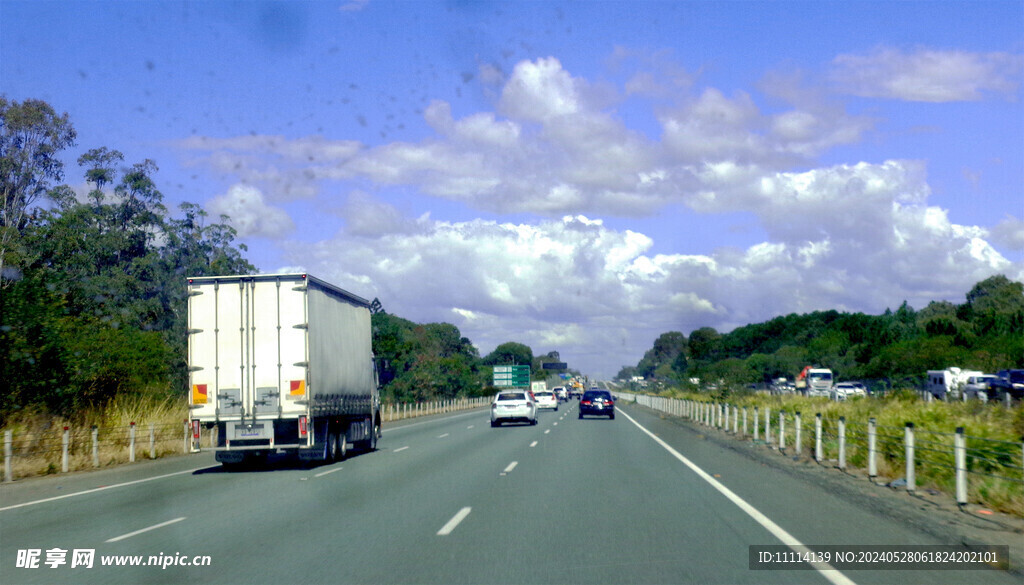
(928,75)
(1009,233)
(248,213)
(354,5)
(860,236)
(540,90)
(593,292)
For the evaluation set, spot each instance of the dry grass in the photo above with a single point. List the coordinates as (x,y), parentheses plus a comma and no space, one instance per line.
(37,438)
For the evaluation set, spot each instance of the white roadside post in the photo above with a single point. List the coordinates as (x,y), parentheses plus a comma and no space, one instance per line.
(960,458)
(131,442)
(95,446)
(872,449)
(744,421)
(908,444)
(735,420)
(757,423)
(767,426)
(799,444)
(8,456)
(64,442)
(782,430)
(152,441)
(818,455)
(842,443)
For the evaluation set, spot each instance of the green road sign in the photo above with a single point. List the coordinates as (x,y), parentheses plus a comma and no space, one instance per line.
(511,376)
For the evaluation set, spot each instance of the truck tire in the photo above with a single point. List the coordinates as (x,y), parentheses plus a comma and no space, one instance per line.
(371,445)
(332,447)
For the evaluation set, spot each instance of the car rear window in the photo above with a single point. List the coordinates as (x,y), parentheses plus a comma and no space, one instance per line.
(543,394)
(511,396)
(592,395)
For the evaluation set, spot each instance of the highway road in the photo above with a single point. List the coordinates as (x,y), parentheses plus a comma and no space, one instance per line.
(449,499)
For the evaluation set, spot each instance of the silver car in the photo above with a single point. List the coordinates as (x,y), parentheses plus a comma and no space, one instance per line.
(513,406)
(978,386)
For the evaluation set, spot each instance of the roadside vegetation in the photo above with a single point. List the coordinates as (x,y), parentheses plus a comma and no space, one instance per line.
(994,438)
(890,351)
(93,290)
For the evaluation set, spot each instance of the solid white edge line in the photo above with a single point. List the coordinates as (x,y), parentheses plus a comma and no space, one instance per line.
(106,487)
(826,570)
(137,532)
(456,519)
(510,467)
(323,473)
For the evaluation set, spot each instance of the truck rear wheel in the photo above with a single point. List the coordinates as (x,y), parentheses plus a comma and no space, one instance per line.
(332,447)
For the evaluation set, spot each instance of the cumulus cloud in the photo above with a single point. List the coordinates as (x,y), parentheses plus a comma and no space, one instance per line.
(285,169)
(1009,233)
(858,236)
(579,286)
(249,214)
(928,75)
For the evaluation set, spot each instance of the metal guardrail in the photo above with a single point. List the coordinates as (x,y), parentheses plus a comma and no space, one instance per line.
(76,448)
(957,455)
(392,411)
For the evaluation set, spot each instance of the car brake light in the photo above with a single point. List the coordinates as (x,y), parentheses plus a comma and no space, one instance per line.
(585,402)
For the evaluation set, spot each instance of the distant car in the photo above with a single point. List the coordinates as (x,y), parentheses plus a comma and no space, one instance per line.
(561,393)
(846,390)
(597,402)
(513,406)
(979,387)
(546,399)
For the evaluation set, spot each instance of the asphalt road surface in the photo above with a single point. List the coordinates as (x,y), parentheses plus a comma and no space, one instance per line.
(451,500)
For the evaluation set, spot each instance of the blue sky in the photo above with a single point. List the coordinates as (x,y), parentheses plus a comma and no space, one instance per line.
(577,176)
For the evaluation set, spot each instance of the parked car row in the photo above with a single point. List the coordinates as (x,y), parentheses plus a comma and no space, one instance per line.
(997,387)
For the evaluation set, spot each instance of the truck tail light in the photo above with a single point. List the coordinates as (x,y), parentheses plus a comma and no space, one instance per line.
(303,431)
(195,429)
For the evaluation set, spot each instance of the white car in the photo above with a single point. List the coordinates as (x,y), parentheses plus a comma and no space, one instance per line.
(845,390)
(546,399)
(561,393)
(978,386)
(513,406)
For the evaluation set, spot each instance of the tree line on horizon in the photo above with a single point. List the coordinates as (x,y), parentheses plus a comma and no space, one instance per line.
(986,333)
(93,289)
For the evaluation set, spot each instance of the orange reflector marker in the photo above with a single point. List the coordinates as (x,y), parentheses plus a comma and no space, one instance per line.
(199,395)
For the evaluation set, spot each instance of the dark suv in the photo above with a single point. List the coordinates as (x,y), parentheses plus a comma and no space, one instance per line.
(1007,382)
(599,402)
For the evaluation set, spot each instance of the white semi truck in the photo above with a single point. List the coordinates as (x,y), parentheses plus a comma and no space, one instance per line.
(280,363)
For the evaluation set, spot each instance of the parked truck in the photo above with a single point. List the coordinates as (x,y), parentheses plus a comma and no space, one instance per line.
(814,381)
(280,363)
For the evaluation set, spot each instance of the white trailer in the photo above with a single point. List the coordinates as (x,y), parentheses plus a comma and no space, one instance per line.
(280,363)
(948,383)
